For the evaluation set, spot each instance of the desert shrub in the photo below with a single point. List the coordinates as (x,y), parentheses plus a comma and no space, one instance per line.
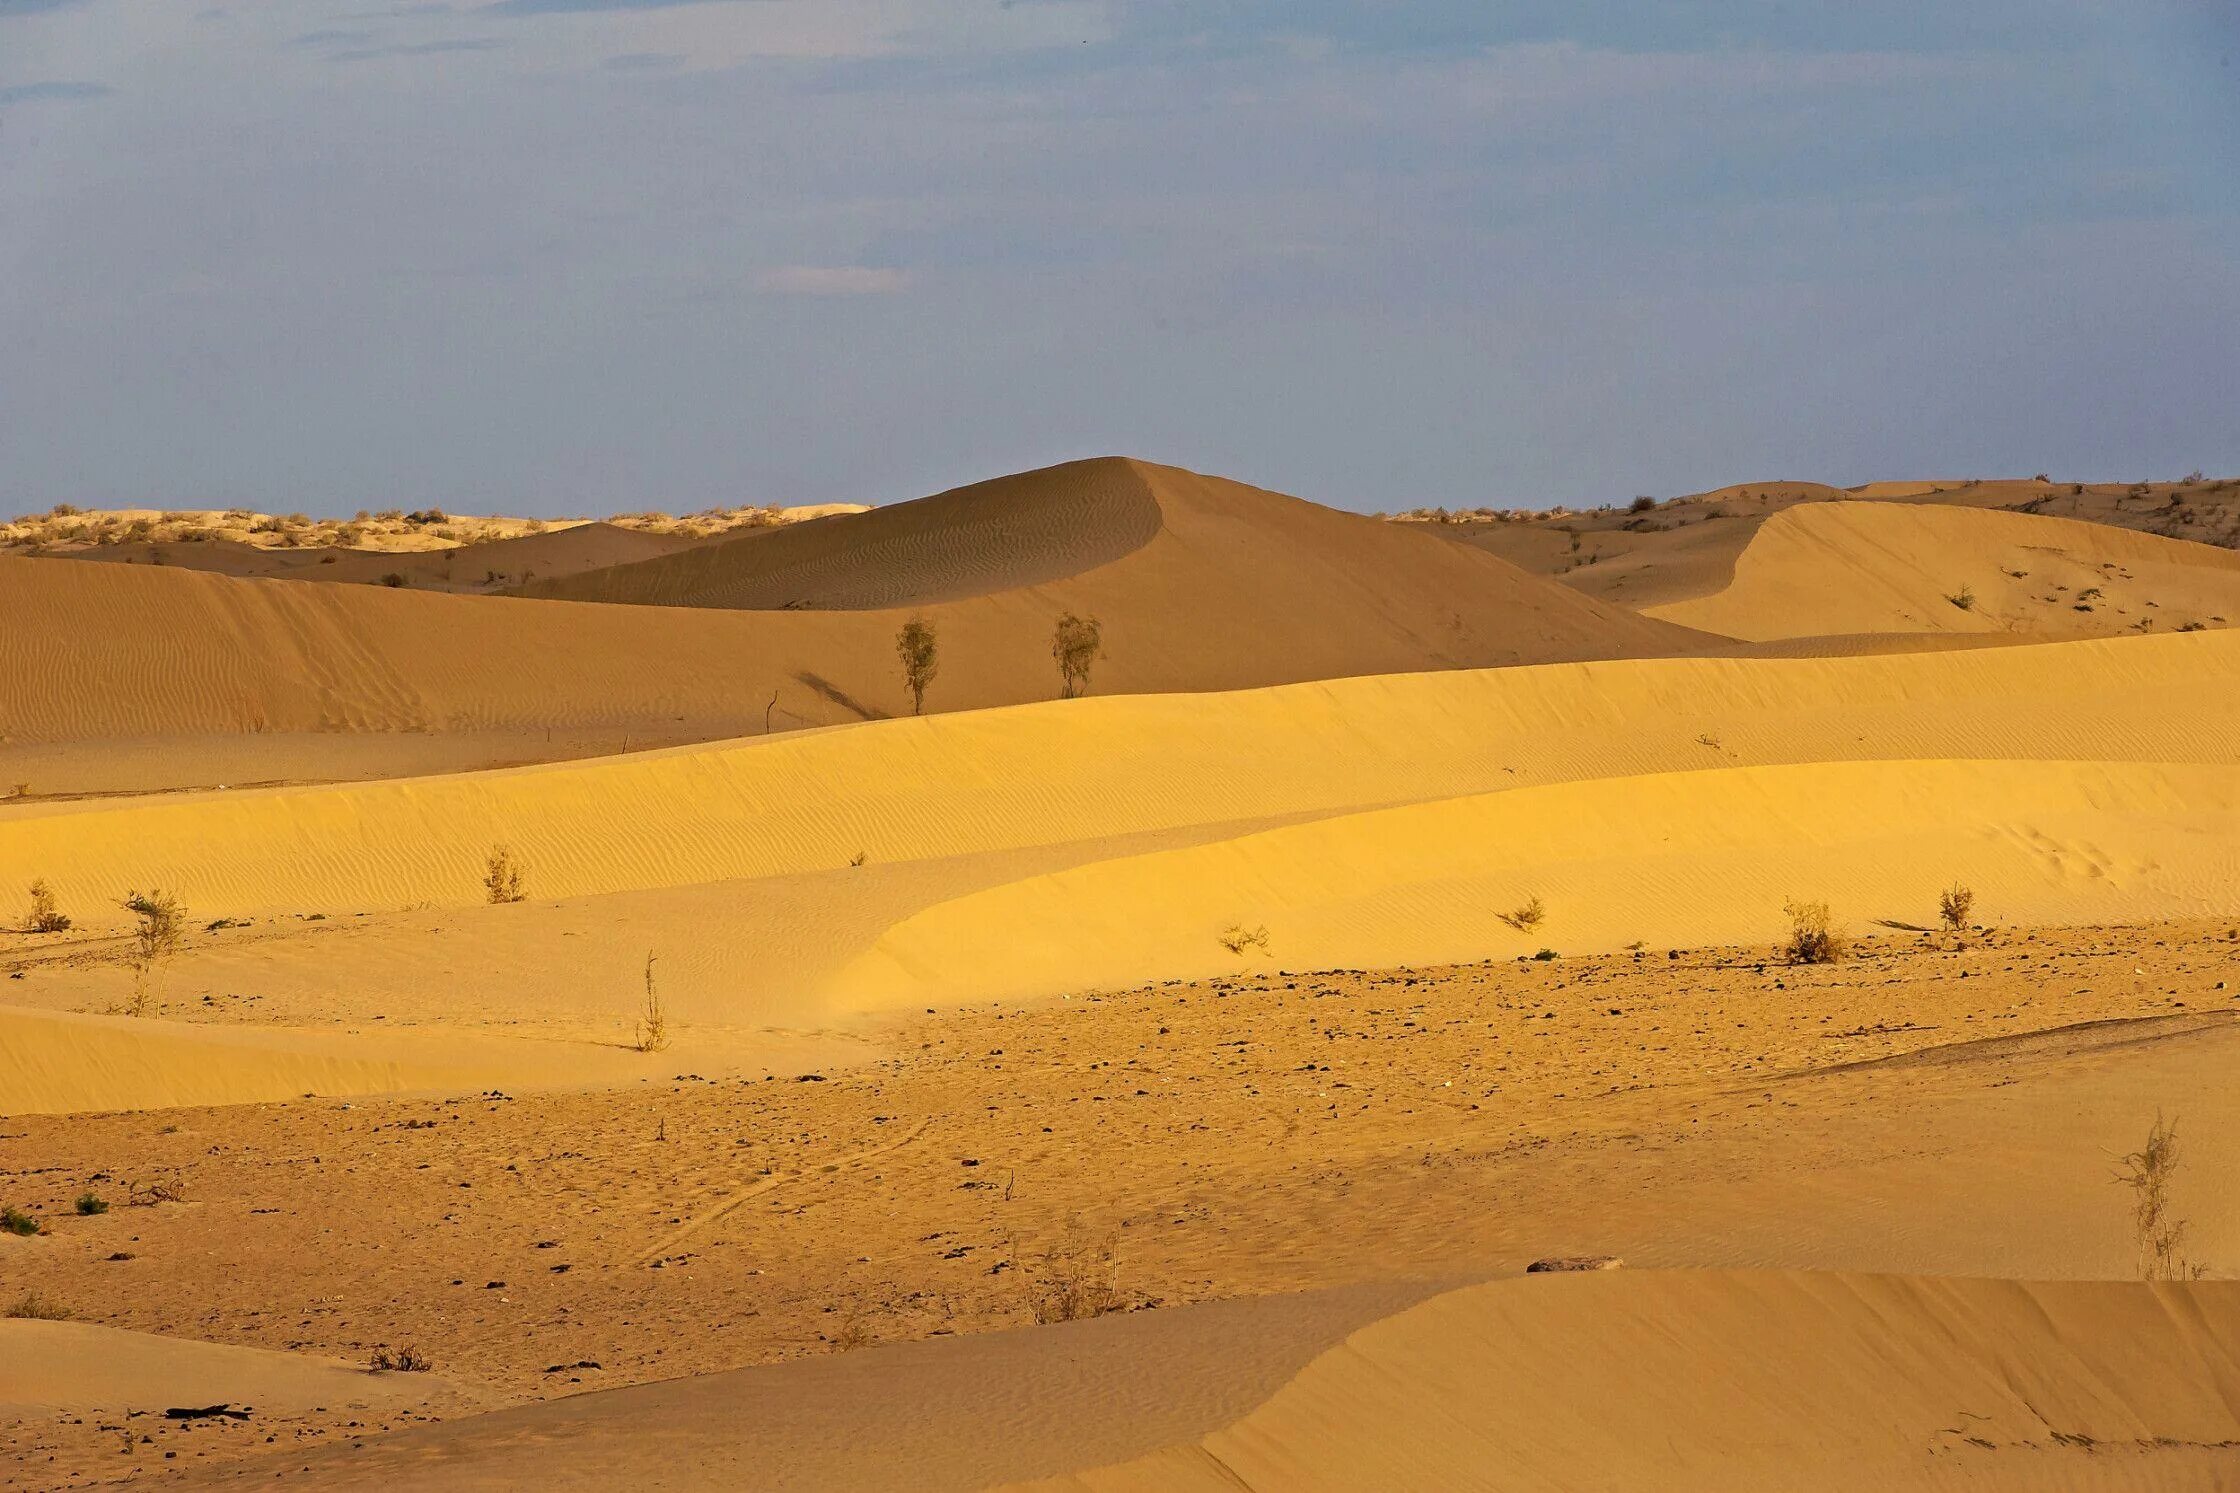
(394,579)
(159,924)
(1077,1279)
(155,1190)
(653,1019)
(1531,915)
(422,517)
(45,916)
(919,652)
(1709,739)
(1813,939)
(1076,643)
(405,1360)
(1964,598)
(501,875)
(1955,904)
(14,1220)
(89,1204)
(1237,938)
(2160,1238)
(1643,504)
(33,1307)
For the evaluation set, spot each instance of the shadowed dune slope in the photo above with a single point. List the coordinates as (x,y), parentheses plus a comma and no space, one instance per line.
(1237,588)
(1634,1379)
(1129,542)
(1022,530)
(485,566)
(1887,568)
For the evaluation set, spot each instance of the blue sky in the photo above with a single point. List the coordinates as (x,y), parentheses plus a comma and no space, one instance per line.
(587,255)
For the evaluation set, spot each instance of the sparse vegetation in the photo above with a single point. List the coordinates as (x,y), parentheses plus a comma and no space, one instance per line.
(14,1220)
(1528,917)
(1076,644)
(90,1203)
(1813,937)
(2160,1238)
(1237,938)
(502,875)
(1964,598)
(1643,504)
(159,925)
(1956,904)
(1709,739)
(653,1019)
(1077,1279)
(45,916)
(33,1307)
(919,652)
(405,1360)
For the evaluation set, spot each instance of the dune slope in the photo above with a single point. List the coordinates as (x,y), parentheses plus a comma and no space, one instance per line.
(1884,567)
(1720,1381)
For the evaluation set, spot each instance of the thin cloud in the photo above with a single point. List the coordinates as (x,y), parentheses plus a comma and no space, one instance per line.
(31,7)
(38,93)
(832,280)
(576,7)
(419,49)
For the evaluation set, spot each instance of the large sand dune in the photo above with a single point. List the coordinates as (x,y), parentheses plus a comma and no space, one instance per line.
(1884,568)
(1227,588)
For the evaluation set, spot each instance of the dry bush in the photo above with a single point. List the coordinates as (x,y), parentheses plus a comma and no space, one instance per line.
(1813,938)
(1527,917)
(33,1307)
(653,1020)
(1964,598)
(2160,1238)
(45,916)
(167,1189)
(501,875)
(14,1220)
(919,652)
(1076,643)
(159,924)
(405,1360)
(1076,1279)
(1237,938)
(1956,904)
(91,1203)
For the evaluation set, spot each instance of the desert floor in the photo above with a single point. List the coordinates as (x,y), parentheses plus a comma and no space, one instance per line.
(1936,1106)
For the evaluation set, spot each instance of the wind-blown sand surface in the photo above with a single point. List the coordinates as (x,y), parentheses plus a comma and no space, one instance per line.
(1305,983)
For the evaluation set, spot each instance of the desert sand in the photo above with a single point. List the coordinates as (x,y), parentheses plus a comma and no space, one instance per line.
(1163,1088)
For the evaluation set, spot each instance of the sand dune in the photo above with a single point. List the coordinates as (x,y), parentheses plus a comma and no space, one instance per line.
(1882,568)
(1089,769)
(1632,1379)
(1236,588)
(1023,530)
(480,566)
(1670,860)
(77,1366)
(1717,1381)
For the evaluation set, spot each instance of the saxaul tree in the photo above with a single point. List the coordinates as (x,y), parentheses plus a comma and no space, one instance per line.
(916,646)
(1077,643)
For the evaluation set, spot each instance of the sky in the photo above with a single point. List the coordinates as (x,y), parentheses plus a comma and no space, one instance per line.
(586,256)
